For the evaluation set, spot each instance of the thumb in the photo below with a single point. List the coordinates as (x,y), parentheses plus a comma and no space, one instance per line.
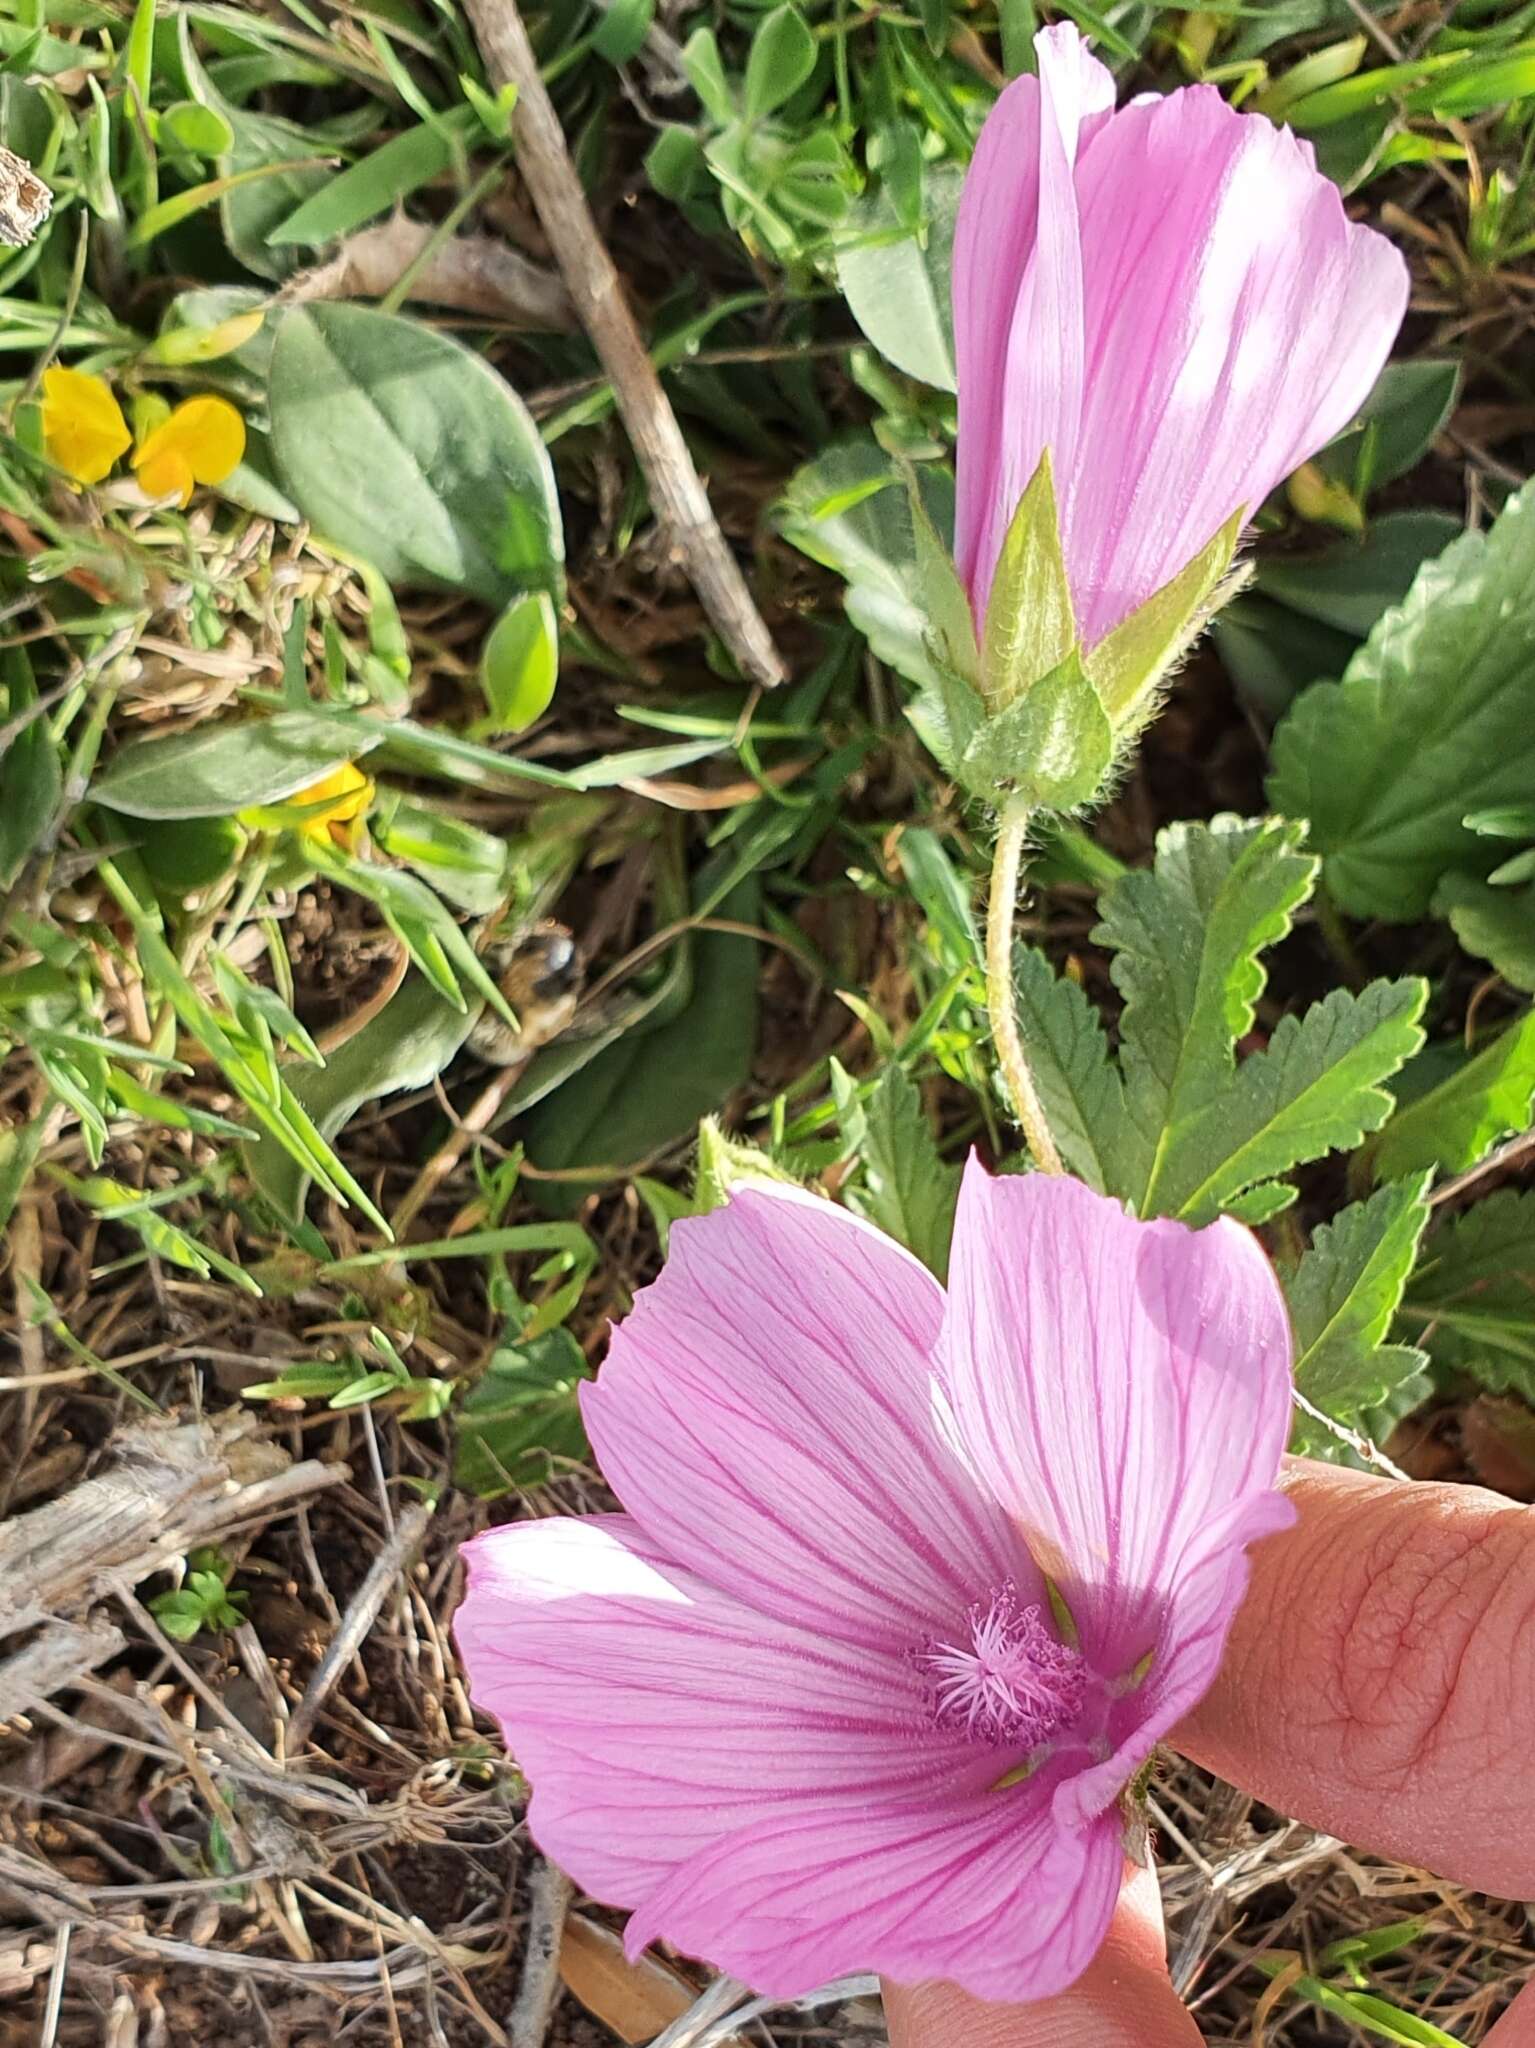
(1124,1999)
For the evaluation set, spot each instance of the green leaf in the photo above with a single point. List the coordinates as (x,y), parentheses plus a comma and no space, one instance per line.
(520,662)
(1434,718)
(944,600)
(652,1086)
(1029,628)
(1316,1088)
(896,281)
(1187,936)
(407,450)
(1495,924)
(846,510)
(907,1188)
(706,74)
(378,181)
(1078,1082)
(265,187)
(1454,1124)
(1472,1299)
(1350,584)
(781,58)
(523,1415)
(620,34)
(407,1045)
(1397,424)
(1128,663)
(1343,1295)
(31,778)
(1049,748)
(227,766)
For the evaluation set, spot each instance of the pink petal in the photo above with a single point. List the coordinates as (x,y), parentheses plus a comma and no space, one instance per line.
(991,1897)
(765,1414)
(1235,322)
(764,1796)
(1018,295)
(1124,1389)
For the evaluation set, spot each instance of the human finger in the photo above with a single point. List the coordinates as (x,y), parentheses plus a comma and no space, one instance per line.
(1124,1999)
(1379,1681)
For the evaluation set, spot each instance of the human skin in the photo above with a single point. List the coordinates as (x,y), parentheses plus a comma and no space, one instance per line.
(1379,1683)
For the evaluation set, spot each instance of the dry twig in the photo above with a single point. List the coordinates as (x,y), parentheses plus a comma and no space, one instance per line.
(594,284)
(550,1892)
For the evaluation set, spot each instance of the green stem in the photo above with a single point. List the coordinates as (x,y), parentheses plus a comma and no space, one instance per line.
(1012,835)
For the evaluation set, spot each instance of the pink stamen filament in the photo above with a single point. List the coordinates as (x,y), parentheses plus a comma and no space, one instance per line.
(1013,1682)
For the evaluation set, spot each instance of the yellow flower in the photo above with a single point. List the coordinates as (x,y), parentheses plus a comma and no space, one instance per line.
(201,442)
(84,431)
(340,798)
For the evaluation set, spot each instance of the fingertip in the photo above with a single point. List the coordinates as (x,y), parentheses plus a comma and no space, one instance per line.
(1123,1999)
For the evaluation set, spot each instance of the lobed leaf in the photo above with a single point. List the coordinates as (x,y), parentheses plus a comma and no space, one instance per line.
(1434,718)
(1472,1299)
(1344,1294)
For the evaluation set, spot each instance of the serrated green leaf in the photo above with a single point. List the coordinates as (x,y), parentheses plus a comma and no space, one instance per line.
(1453,1125)
(1315,1089)
(1187,935)
(1472,1299)
(1434,718)
(1077,1080)
(1343,1295)
(1029,628)
(1259,1205)
(1127,664)
(1050,747)
(907,1189)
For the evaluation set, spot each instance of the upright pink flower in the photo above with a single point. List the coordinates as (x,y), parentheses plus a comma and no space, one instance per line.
(1171,299)
(807,1708)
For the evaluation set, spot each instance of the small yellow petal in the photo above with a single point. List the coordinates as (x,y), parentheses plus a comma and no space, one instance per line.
(163,472)
(84,431)
(204,438)
(338,798)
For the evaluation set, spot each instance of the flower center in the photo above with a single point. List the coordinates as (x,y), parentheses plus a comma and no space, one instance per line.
(1010,1681)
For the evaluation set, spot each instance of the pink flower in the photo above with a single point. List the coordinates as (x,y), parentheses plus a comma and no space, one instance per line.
(806,1707)
(1171,299)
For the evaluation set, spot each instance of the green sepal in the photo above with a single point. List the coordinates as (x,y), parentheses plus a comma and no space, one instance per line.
(942,596)
(1030,628)
(1051,748)
(1128,663)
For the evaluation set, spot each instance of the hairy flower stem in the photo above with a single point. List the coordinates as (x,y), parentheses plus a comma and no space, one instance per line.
(1012,833)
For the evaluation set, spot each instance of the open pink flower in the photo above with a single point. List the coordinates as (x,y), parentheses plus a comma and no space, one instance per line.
(806,1707)
(1171,299)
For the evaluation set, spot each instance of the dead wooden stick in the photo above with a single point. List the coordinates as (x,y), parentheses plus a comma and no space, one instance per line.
(550,1892)
(679,496)
(168,1488)
(56,1656)
(359,1618)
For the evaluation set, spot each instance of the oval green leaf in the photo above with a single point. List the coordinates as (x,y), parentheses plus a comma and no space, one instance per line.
(405,448)
(520,662)
(897,284)
(223,768)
